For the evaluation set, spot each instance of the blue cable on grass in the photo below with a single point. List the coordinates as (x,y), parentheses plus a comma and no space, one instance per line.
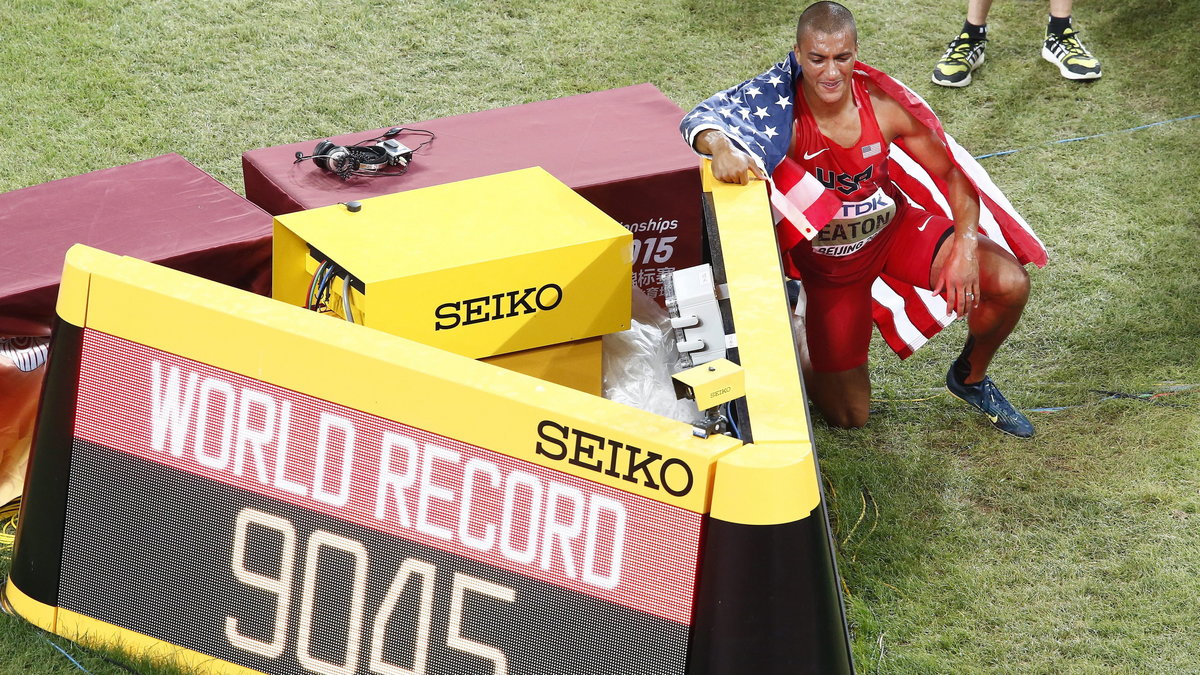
(64,653)
(1161,391)
(1084,138)
(1109,395)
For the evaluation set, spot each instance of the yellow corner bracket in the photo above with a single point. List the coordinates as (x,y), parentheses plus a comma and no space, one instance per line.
(76,279)
(773,480)
(766,484)
(39,614)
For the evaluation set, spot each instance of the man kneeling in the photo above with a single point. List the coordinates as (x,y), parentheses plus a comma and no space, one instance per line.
(837,119)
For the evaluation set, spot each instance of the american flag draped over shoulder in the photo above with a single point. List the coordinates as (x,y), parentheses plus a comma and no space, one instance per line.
(757,116)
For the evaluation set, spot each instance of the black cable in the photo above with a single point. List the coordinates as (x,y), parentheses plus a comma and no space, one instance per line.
(432,136)
(313,299)
(378,174)
(326,290)
(396,131)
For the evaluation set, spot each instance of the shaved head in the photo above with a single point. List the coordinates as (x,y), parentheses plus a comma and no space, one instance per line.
(826,17)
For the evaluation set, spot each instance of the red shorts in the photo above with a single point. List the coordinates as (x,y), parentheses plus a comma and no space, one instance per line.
(837,315)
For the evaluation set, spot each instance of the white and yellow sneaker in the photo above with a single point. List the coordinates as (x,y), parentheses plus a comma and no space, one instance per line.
(1074,61)
(963,55)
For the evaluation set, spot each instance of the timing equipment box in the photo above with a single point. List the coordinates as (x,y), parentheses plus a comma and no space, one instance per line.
(577,364)
(480,267)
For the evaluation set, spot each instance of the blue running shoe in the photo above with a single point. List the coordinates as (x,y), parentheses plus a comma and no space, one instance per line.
(987,398)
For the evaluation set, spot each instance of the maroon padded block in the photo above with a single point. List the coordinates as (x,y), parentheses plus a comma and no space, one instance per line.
(164,210)
(620,149)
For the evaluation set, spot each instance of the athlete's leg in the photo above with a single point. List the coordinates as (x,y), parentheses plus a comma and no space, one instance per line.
(837,330)
(1003,289)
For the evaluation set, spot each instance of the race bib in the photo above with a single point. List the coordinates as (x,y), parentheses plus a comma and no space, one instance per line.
(855,224)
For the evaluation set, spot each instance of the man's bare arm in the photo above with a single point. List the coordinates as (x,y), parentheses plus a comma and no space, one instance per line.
(959,276)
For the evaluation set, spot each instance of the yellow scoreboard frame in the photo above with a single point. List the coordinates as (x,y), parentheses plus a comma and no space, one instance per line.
(345,482)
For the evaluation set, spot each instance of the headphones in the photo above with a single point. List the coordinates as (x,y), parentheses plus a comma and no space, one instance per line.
(361,159)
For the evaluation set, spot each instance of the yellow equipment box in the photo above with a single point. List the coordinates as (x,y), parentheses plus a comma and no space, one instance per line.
(577,364)
(479,267)
(711,384)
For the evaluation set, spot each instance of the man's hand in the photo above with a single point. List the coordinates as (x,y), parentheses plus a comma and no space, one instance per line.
(729,164)
(959,276)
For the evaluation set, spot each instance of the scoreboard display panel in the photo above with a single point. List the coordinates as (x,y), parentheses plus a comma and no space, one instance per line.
(425,551)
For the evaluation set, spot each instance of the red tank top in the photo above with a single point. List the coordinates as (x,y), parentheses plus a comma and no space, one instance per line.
(852,173)
(846,250)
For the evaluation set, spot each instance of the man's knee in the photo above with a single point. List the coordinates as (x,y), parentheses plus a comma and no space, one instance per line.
(843,397)
(1008,281)
(1013,285)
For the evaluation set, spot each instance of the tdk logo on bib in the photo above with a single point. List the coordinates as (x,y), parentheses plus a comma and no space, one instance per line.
(874,203)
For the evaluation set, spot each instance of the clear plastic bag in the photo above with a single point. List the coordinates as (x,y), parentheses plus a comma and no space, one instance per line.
(638,363)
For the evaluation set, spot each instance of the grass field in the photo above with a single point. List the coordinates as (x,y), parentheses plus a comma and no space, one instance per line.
(963,551)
